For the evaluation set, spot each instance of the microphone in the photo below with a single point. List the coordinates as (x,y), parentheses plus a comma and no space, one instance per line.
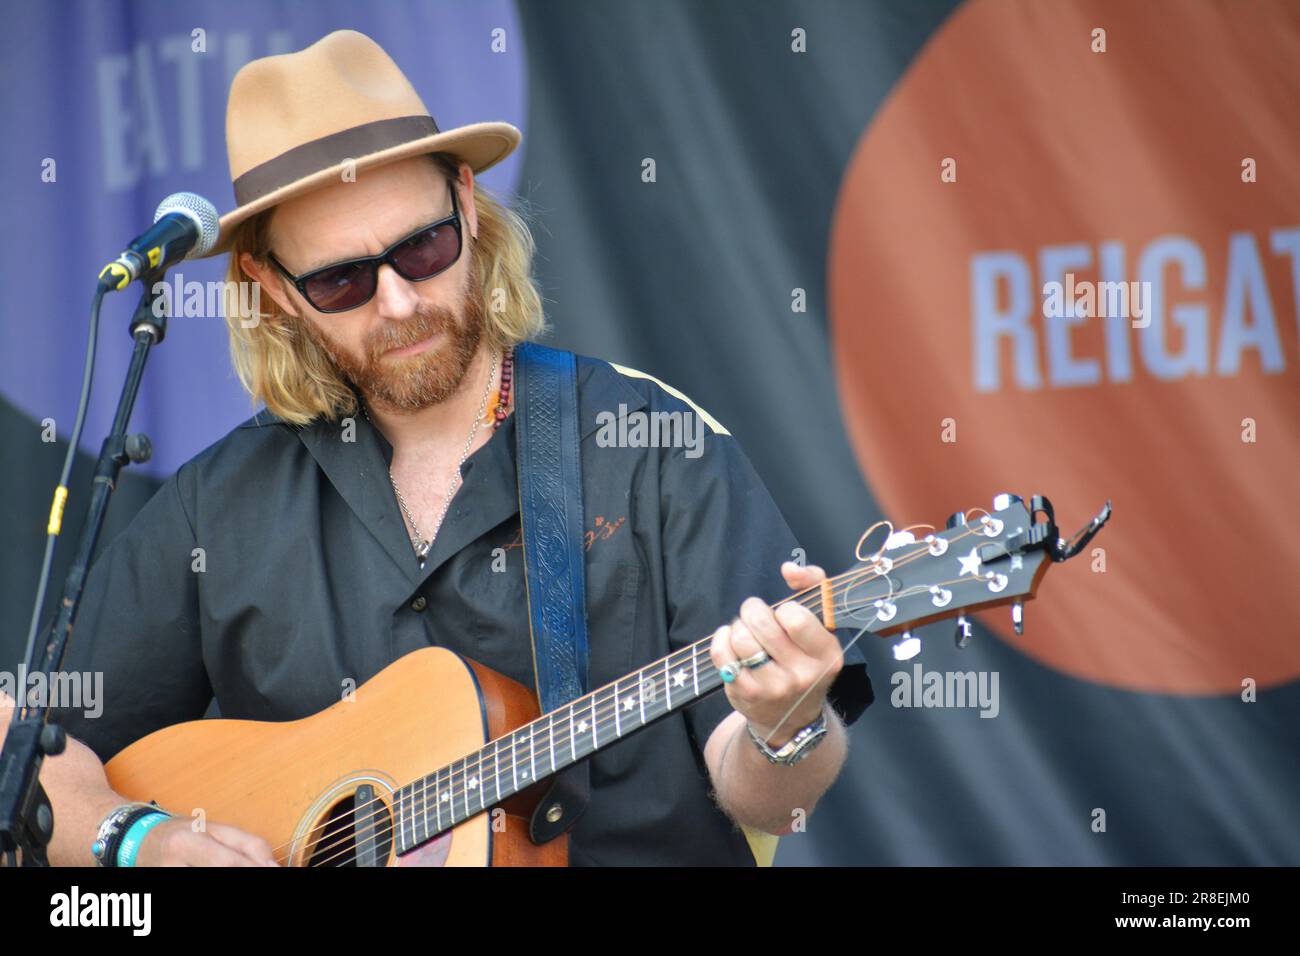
(184,224)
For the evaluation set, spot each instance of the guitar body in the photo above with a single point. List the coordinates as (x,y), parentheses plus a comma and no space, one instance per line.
(293,783)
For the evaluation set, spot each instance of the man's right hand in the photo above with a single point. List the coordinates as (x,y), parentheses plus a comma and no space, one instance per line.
(175,843)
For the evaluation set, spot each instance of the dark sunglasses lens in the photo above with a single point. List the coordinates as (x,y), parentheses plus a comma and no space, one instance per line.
(427,253)
(342,287)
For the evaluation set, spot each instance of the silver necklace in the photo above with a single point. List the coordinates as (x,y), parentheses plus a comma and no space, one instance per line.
(420,545)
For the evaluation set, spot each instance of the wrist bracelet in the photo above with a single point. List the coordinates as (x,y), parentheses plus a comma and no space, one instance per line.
(109,837)
(135,833)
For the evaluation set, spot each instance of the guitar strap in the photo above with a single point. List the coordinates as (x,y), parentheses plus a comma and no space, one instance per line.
(551,519)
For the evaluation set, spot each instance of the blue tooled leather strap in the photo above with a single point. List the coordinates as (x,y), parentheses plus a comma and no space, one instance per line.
(550,514)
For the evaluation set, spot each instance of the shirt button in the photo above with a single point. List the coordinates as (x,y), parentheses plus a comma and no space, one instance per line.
(419,604)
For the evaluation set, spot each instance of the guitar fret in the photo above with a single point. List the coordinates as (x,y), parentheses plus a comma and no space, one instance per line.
(452,817)
(641,694)
(424,811)
(695,667)
(435,784)
(550,734)
(481,779)
(449,796)
(532,753)
(514,761)
(397,810)
(408,806)
(496,767)
(466,771)
(618,727)
(573,735)
(437,799)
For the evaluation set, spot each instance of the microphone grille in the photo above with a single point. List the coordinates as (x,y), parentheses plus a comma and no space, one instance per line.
(201,211)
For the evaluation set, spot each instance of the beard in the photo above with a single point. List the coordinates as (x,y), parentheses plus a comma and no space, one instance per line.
(413,382)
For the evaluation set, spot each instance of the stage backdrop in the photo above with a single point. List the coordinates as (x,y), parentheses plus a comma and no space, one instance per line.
(884,244)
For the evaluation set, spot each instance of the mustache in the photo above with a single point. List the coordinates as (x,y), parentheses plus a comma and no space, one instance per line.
(427,321)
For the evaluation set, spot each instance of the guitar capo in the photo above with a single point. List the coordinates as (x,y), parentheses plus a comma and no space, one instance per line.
(1046,535)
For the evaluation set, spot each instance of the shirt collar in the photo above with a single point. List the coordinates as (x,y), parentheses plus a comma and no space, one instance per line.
(356,463)
(358,471)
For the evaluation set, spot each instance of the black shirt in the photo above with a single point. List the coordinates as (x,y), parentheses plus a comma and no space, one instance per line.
(275,565)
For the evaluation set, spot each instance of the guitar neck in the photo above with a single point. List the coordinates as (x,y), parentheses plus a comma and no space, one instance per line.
(535,751)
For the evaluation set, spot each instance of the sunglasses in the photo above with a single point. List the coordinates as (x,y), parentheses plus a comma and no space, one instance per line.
(349,285)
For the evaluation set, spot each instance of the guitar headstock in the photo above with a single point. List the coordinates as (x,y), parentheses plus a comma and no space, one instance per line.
(921,574)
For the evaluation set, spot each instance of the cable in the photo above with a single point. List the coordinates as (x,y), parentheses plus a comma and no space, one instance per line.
(61,491)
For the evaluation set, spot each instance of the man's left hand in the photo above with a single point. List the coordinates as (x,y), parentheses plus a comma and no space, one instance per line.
(789,691)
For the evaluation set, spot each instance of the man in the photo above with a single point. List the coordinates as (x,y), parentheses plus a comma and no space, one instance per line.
(372,508)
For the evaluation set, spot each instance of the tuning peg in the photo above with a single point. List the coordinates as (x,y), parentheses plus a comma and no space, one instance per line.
(1018,617)
(906,647)
(1005,500)
(956,518)
(963,635)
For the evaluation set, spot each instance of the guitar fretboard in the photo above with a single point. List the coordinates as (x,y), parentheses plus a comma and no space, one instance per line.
(509,764)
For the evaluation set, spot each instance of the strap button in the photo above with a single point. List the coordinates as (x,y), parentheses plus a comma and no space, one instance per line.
(419,604)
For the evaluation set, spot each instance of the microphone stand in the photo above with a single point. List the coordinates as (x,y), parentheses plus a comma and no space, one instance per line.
(26,818)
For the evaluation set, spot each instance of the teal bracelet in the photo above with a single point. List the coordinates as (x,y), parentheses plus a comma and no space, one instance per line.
(131,841)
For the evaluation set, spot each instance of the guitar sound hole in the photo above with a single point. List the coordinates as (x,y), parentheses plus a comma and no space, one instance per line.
(348,836)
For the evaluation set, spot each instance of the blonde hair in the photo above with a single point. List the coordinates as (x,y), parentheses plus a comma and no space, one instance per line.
(280,365)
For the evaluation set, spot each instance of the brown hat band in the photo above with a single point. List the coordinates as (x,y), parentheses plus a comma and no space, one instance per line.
(329,151)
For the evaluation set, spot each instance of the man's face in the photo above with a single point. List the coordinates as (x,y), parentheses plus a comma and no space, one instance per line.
(411,345)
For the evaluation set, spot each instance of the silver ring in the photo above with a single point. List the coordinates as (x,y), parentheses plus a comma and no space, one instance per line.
(754,660)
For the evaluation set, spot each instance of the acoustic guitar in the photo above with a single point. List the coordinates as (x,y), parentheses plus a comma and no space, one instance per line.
(440,761)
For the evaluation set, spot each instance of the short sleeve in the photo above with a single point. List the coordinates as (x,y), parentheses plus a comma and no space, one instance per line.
(724,540)
(135,641)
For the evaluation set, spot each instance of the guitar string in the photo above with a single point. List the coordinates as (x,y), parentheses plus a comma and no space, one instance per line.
(813,592)
(847,579)
(841,584)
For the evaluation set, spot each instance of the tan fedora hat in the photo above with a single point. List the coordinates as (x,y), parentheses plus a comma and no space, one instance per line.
(295,122)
